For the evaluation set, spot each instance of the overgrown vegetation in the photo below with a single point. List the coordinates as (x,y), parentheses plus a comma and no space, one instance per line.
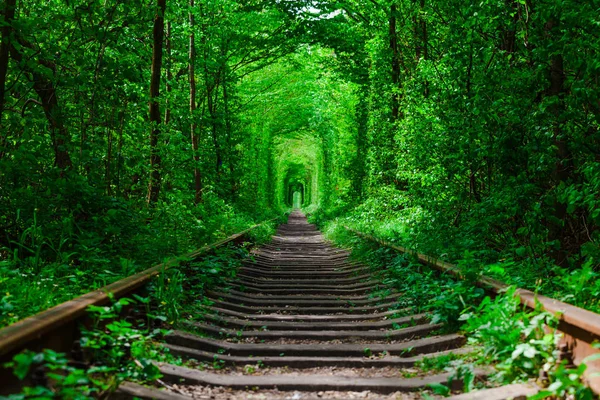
(122,340)
(477,128)
(121,349)
(502,332)
(450,128)
(25,291)
(130,133)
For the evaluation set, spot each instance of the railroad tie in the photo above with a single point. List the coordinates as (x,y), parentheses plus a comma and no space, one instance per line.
(302,321)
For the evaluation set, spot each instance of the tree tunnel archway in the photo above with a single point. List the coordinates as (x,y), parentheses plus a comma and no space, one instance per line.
(298,165)
(297,179)
(295,188)
(306,127)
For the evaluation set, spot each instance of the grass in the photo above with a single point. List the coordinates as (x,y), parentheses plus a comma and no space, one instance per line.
(580,286)
(502,331)
(31,286)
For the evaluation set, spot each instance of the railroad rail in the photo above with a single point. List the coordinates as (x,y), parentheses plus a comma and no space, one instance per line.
(298,316)
(580,328)
(58,327)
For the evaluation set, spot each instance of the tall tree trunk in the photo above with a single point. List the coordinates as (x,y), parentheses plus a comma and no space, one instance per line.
(120,148)
(424,44)
(192,79)
(169,75)
(46,91)
(8,16)
(509,32)
(563,167)
(48,95)
(109,151)
(232,187)
(212,81)
(154,108)
(393,34)
(107,177)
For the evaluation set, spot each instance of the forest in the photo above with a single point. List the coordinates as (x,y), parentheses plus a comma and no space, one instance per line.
(134,131)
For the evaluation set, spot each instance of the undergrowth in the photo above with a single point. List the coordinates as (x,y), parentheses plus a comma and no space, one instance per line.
(520,263)
(122,338)
(122,344)
(55,261)
(517,341)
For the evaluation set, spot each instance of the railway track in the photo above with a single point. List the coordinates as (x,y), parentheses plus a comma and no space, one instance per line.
(299,321)
(302,321)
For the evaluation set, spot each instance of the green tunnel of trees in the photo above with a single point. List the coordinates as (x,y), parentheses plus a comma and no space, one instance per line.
(133,130)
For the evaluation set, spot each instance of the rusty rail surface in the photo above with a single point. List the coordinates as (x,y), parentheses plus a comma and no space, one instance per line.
(60,320)
(580,328)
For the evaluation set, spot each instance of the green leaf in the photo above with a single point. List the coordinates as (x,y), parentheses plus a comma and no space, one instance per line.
(521,251)
(22,362)
(439,388)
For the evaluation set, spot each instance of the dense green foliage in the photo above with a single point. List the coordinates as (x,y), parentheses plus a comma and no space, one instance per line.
(123,349)
(128,134)
(518,341)
(478,132)
(74,148)
(134,131)
(123,338)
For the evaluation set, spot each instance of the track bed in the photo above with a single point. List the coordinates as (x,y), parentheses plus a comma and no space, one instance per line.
(302,321)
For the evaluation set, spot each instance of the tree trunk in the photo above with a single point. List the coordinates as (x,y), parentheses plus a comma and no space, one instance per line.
(509,33)
(120,148)
(109,151)
(107,177)
(46,91)
(192,79)
(230,146)
(169,75)
(212,81)
(395,64)
(154,108)
(424,45)
(9,15)
(563,167)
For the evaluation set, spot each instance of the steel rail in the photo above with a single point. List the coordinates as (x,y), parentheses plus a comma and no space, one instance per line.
(17,336)
(580,328)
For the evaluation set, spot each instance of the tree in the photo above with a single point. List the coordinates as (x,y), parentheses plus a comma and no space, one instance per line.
(7,18)
(154,108)
(192,81)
